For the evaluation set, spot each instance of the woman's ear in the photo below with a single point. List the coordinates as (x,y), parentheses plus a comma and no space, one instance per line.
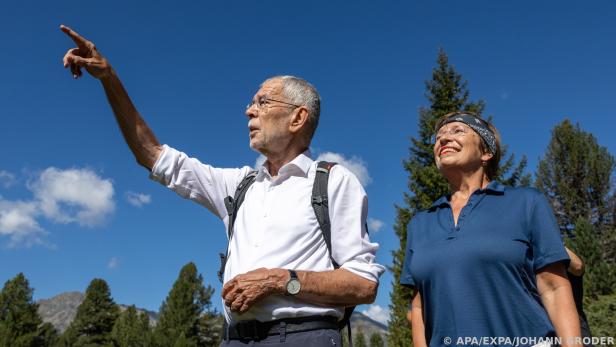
(486,156)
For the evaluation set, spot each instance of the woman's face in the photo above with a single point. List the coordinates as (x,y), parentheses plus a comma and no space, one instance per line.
(458,147)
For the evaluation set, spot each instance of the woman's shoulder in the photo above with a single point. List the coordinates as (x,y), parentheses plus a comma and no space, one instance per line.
(522,192)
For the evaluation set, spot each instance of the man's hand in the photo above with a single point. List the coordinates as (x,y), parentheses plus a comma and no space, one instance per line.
(243,291)
(84,55)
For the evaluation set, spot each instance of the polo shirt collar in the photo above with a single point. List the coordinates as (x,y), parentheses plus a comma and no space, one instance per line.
(299,166)
(493,187)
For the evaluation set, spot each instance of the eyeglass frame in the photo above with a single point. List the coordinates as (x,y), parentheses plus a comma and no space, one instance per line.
(261,100)
(437,137)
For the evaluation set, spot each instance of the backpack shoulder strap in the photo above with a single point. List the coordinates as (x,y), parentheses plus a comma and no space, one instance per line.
(233,205)
(320,204)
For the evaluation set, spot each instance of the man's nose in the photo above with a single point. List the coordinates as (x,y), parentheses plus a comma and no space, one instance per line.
(251,112)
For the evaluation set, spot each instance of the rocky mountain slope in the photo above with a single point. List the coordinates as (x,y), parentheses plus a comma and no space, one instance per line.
(60,311)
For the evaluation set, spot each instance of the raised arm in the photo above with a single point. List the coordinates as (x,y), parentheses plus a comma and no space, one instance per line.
(137,134)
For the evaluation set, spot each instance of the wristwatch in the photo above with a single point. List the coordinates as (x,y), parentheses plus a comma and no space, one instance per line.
(293,285)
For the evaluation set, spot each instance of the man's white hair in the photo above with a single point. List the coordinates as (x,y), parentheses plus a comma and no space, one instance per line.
(299,92)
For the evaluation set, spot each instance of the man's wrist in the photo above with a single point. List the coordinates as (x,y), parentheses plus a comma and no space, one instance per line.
(106,76)
(282,277)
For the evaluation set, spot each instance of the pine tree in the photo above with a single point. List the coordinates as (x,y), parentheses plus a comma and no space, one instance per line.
(131,330)
(599,275)
(601,313)
(359,340)
(210,328)
(94,320)
(20,324)
(575,175)
(182,341)
(376,340)
(446,92)
(183,308)
(47,336)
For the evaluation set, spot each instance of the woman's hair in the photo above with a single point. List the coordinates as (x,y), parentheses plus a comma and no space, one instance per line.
(491,167)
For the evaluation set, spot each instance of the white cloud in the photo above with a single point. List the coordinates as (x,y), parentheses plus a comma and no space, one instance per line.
(63,196)
(18,221)
(375,224)
(74,195)
(113,263)
(138,199)
(354,164)
(7,179)
(377,313)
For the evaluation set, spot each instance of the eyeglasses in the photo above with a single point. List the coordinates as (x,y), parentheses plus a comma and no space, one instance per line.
(457,131)
(263,102)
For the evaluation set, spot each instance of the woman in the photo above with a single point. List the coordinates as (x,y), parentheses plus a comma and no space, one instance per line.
(487,261)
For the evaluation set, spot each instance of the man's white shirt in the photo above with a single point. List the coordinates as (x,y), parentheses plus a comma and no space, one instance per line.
(276,226)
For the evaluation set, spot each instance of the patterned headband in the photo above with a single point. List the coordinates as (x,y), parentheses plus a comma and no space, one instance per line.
(479,125)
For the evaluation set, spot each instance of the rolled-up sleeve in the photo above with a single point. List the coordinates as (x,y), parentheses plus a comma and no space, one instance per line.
(191,179)
(348,209)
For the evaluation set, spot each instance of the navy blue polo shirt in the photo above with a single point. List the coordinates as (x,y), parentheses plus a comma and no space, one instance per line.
(477,278)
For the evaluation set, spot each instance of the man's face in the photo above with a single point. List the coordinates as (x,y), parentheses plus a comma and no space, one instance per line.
(268,120)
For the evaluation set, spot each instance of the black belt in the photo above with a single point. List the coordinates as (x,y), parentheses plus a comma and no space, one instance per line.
(256,330)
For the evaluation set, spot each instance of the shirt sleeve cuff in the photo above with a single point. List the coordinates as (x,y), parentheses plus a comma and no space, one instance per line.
(407,281)
(162,171)
(369,271)
(551,259)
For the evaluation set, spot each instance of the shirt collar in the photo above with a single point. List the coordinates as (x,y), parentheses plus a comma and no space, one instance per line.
(300,165)
(493,187)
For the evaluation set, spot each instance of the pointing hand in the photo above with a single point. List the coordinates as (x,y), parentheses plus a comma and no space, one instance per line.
(84,55)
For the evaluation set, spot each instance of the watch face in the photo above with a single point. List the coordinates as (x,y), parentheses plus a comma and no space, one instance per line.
(293,286)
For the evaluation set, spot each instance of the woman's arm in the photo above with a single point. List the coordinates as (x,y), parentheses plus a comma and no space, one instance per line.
(555,291)
(417,323)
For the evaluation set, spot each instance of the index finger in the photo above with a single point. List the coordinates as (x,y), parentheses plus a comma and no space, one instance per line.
(80,41)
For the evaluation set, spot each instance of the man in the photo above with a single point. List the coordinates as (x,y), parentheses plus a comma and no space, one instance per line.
(280,287)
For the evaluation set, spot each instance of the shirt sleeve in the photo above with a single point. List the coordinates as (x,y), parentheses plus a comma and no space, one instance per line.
(201,183)
(348,210)
(546,241)
(405,277)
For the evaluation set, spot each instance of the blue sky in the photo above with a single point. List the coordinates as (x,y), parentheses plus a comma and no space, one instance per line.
(192,66)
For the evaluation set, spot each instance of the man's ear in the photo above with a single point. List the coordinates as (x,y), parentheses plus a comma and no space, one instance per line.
(298,119)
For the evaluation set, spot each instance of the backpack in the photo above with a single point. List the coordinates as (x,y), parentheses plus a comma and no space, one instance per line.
(319,204)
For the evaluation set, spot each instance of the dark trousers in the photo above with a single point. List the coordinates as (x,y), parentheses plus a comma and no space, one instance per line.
(313,338)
